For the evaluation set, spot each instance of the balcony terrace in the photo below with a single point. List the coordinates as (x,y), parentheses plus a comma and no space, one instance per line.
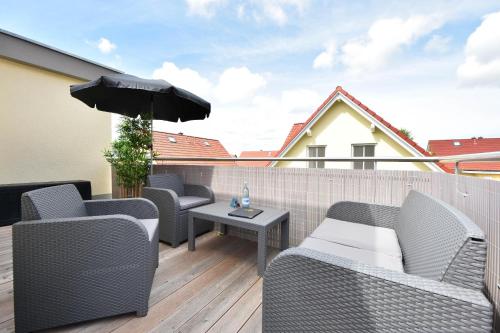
(217,288)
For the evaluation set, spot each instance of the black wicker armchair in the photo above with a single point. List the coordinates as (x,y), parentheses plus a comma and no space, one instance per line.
(174,199)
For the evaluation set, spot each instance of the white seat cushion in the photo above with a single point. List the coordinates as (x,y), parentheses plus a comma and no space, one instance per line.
(361,236)
(364,256)
(187,202)
(151,225)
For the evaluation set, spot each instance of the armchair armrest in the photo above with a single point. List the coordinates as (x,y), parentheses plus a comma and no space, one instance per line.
(81,241)
(306,290)
(165,200)
(364,213)
(199,191)
(137,207)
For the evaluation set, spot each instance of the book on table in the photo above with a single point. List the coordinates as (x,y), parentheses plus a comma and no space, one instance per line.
(248,213)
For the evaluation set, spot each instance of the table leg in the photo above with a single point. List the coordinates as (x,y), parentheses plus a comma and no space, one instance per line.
(284,238)
(191,238)
(223,229)
(262,251)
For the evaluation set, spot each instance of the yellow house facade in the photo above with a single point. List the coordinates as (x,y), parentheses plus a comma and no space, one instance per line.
(344,127)
(46,135)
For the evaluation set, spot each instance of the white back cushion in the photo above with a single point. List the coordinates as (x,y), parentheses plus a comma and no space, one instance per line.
(361,236)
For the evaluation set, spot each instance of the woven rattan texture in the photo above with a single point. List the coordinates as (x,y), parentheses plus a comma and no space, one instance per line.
(74,269)
(364,213)
(308,291)
(169,181)
(53,202)
(173,220)
(432,234)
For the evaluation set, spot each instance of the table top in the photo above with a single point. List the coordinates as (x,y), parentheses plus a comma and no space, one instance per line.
(221,209)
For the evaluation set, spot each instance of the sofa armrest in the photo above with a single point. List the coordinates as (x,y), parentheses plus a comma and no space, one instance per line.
(136,207)
(364,213)
(306,290)
(199,191)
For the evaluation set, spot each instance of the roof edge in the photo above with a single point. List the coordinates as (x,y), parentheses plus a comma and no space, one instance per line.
(25,50)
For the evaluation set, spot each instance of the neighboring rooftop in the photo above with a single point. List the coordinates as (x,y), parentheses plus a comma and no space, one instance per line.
(256,153)
(28,51)
(180,145)
(299,128)
(466,146)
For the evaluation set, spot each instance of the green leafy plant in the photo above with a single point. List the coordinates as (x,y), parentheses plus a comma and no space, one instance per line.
(129,155)
(407,133)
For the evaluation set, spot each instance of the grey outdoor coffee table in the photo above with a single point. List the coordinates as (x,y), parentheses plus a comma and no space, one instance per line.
(218,212)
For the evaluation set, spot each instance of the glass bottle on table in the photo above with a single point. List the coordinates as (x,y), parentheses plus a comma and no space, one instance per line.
(245,199)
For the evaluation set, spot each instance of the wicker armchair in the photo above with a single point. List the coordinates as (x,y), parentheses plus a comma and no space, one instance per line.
(174,199)
(315,288)
(78,260)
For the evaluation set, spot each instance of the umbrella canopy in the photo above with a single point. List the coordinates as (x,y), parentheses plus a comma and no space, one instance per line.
(130,96)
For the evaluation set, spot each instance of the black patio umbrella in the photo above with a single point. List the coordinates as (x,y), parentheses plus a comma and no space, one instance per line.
(130,96)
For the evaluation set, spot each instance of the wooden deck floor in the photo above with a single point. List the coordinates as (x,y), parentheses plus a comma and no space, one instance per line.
(214,289)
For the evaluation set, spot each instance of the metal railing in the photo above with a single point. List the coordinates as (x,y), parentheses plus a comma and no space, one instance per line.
(456,159)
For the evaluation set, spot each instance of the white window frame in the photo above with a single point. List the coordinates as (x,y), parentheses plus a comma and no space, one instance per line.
(364,145)
(315,162)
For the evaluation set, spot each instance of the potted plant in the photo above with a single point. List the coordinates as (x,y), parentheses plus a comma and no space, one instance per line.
(130,154)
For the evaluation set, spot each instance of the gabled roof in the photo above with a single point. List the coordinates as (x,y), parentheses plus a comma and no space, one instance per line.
(180,145)
(256,153)
(466,146)
(299,129)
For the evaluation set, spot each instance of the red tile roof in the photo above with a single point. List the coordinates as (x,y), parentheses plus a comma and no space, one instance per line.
(297,128)
(188,146)
(256,153)
(466,146)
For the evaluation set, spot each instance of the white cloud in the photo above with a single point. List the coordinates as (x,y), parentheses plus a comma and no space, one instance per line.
(237,83)
(234,83)
(385,38)
(482,54)
(185,78)
(301,101)
(241,11)
(240,109)
(205,8)
(326,58)
(276,10)
(438,44)
(105,46)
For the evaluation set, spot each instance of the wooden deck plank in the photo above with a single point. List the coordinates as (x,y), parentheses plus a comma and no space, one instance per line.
(254,323)
(212,312)
(169,306)
(234,319)
(214,288)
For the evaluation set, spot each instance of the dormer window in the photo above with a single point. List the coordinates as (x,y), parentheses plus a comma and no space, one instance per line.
(456,143)
(172,139)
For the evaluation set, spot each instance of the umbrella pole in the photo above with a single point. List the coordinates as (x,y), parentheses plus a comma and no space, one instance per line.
(151,150)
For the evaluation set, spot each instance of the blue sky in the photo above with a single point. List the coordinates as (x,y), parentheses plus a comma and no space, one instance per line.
(430,66)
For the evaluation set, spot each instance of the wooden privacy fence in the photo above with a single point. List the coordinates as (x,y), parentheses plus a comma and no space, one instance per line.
(307,194)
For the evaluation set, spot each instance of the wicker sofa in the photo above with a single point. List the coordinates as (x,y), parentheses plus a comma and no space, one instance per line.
(373,268)
(78,260)
(174,199)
